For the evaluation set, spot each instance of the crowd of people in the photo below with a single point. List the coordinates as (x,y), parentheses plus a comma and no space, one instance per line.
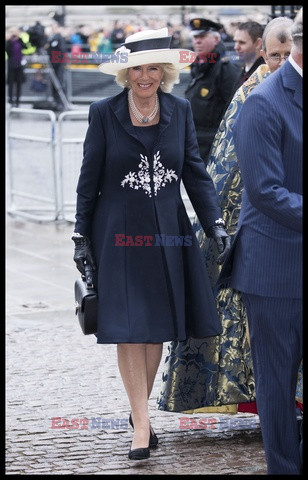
(100,39)
(40,39)
(108,35)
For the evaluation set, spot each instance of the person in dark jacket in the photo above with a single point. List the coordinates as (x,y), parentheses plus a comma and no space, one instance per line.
(213,82)
(248,45)
(56,47)
(132,225)
(15,69)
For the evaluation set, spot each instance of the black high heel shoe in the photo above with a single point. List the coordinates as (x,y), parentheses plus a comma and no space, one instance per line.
(153,437)
(139,453)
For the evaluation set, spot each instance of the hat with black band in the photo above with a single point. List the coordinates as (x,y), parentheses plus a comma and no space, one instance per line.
(146,47)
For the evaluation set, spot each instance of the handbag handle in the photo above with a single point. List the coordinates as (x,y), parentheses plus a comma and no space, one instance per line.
(89,275)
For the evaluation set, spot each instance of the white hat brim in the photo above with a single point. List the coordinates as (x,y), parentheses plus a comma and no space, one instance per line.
(179,57)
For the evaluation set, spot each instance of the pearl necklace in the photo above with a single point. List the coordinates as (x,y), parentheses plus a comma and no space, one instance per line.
(136,112)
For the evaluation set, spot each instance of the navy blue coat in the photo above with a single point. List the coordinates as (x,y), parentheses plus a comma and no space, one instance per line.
(157,290)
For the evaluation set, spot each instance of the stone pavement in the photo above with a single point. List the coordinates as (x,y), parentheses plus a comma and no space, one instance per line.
(57,377)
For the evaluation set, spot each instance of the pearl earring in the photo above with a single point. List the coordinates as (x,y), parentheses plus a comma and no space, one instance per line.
(126,81)
(162,82)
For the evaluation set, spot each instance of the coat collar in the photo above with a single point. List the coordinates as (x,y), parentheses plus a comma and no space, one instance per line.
(292,81)
(202,66)
(119,105)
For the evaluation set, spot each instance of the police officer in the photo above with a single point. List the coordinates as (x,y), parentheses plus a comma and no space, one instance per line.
(213,81)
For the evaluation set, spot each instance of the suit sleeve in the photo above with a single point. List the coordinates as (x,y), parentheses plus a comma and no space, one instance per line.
(258,137)
(198,183)
(91,172)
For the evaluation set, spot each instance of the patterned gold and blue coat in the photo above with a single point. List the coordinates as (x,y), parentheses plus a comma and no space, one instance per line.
(218,371)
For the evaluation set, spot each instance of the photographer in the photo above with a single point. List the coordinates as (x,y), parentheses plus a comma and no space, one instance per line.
(37,37)
(56,43)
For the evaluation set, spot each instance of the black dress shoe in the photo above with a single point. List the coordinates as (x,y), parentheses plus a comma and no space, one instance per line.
(153,436)
(139,453)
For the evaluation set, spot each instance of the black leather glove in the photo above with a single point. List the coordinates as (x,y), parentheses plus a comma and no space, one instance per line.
(82,255)
(223,241)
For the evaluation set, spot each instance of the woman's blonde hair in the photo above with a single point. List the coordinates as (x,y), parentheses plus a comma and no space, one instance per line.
(171,76)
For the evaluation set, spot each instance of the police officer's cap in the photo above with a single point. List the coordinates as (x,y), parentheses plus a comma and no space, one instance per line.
(202,25)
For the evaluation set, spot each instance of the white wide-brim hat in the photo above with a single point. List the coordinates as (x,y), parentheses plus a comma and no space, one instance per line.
(148,46)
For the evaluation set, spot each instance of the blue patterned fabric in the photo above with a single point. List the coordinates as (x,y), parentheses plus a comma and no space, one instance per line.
(217,371)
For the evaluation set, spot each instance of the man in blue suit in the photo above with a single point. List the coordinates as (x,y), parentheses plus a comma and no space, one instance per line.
(265,262)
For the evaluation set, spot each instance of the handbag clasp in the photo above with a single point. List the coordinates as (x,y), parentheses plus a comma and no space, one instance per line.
(77,308)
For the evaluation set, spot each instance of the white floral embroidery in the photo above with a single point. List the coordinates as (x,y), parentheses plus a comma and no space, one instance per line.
(122,49)
(160,175)
(142,178)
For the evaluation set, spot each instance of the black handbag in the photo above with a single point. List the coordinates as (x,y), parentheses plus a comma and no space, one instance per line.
(86,305)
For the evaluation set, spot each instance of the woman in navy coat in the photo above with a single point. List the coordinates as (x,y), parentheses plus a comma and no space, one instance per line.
(132,225)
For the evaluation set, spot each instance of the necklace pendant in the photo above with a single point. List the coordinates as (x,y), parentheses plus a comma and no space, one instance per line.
(137,114)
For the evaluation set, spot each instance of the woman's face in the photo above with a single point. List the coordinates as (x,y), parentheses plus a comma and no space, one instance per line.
(145,79)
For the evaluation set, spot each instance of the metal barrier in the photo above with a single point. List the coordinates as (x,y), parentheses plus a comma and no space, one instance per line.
(83,84)
(66,154)
(32,181)
(70,158)
(47,80)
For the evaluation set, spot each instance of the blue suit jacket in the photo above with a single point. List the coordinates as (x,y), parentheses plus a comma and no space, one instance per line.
(266,255)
